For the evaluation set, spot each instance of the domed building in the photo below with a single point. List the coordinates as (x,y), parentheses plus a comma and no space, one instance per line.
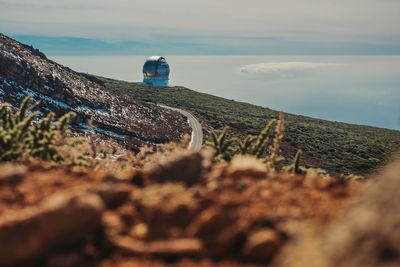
(156,72)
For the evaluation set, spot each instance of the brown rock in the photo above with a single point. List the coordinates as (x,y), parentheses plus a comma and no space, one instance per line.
(65,260)
(131,176)
(367,235)
(112,224)
(219,228)
(262,245)
(180,247)
(62,219)
(210,221)
(181,167)
(246,166)
(163,207)
(11,173)
(115,194)
(139,231)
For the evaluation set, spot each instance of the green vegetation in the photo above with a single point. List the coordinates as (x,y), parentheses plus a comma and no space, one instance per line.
(268,152)
(23,134)
(334,146)
(258,146)
(265,150)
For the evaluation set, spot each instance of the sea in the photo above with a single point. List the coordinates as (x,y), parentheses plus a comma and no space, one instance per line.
(354,89)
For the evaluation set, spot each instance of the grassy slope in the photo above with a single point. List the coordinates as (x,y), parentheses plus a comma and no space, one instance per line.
(334,146)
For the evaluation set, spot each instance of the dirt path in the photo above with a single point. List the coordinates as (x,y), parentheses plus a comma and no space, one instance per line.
(196,140)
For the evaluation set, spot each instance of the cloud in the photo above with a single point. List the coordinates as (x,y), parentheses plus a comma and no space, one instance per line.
(284,68)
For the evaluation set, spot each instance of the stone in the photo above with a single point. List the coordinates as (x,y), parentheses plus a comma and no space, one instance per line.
(62,219)
(161,210)
(219,228)
(71,259)
(11,173)
(168,248)
(262,245)
(183,167)
(114,195)
(368,234)
(246,166)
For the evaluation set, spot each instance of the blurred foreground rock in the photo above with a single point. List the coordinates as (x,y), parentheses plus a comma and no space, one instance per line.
(61,219)
(367,235)
(178,247)
(12,173)
(184,167)
(262,245)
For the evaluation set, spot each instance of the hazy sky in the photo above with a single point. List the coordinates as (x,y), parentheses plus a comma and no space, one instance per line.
(300,26)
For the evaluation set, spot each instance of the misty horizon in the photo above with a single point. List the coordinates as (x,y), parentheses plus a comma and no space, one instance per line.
(226,27)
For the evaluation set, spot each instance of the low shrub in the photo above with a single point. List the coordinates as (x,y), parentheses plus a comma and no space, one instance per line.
(24,134)
(266,147)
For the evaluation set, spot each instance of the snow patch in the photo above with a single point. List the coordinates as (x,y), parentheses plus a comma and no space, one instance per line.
(56,102)
(27,91)
(111,133)
(12,55)
(100,111)
(86,129)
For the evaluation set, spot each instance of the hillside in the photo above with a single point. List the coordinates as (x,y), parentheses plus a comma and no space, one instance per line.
(334,146)
(26,71)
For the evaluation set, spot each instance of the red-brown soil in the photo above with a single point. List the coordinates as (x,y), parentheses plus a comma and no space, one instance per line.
(204,214)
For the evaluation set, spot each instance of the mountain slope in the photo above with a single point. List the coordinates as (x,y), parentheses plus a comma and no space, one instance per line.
(334,146)
(26,71)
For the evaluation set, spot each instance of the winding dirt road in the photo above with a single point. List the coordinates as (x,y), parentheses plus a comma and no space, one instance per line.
(196,140)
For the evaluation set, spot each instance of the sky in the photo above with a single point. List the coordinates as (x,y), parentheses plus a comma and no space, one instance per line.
(209,27)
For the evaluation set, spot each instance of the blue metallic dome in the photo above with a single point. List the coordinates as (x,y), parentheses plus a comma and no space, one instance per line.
(156,71)
(155,66)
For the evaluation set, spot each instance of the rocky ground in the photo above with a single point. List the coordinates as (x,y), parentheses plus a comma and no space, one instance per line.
(26,71)
(368,234)
(180,210)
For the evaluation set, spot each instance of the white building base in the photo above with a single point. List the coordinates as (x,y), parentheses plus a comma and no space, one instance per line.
(156,81)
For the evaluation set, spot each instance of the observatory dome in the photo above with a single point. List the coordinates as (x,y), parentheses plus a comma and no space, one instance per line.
(156,71)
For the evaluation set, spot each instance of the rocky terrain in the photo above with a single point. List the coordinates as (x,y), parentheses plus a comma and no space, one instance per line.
(179,209)
(26,71)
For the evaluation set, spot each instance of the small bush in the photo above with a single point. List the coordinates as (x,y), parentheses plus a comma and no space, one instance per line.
(260,146)
(267,151)
(23,133)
